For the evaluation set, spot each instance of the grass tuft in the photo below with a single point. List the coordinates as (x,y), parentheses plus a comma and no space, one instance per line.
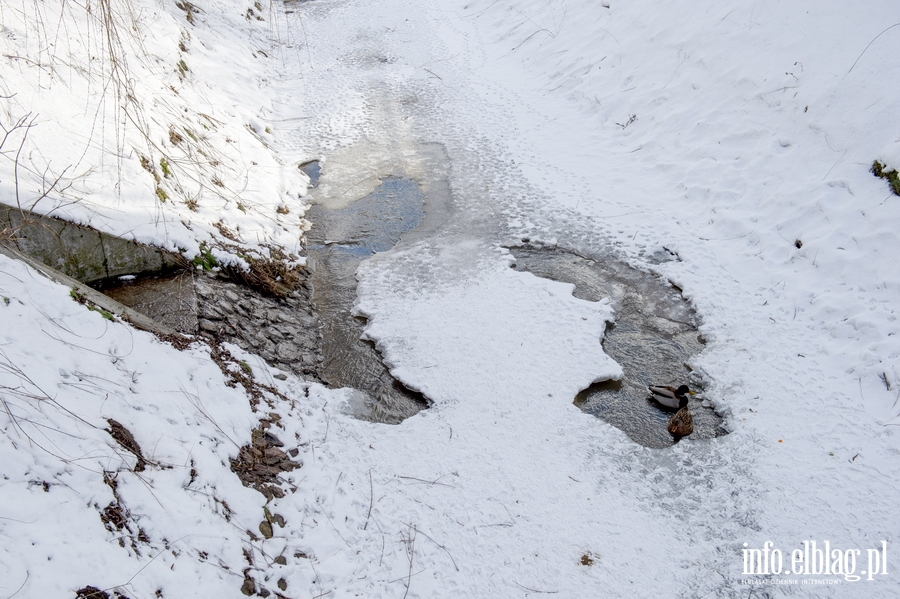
(81,299)
(189,10)
(892,176)
(274,276)
(205,259)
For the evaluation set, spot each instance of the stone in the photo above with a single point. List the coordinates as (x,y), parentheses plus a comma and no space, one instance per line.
(245,333)
(288,351)
(211,313)
(266,529)
(272,491)
(267,350)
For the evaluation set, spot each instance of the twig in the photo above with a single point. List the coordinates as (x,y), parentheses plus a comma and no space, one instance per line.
(405,577)
(27,574)
(142,569)
(630,120)
(371,497)
(534,590)
(535,24)
(526,39)
(503,524)
(19,521)
(410,551)
(195,401)
(834,165)
(482,12)
(335,528)
(318,578)
(430,482)
(869,44)
(440,547)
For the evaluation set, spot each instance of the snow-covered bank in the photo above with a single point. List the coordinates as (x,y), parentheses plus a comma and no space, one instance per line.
(755,124)
(148,120)
(78,508)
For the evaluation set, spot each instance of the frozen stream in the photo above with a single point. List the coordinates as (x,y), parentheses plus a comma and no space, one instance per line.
(653,338)
(338,242)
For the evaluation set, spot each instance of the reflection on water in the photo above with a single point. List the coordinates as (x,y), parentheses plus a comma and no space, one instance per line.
(313,169)
(339,240)
(654,336)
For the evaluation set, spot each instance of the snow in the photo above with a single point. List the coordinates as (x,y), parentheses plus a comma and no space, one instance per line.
(166,137)
(65,370)
(755,125)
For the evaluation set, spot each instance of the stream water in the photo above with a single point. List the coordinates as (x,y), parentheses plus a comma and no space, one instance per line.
(169,299)
(653,338)
(358,212)
(340,239)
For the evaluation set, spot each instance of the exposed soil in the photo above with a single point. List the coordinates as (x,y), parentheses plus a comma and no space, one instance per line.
(124,438)
(259,463)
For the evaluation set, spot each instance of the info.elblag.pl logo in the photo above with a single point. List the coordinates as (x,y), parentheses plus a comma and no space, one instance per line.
(815,559)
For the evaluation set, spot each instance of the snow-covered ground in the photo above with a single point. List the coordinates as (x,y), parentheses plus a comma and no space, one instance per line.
(738,134)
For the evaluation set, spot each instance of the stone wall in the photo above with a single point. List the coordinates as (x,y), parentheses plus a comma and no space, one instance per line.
(82,253)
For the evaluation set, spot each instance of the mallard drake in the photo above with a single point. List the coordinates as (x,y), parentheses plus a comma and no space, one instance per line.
(670,396)
(681,424)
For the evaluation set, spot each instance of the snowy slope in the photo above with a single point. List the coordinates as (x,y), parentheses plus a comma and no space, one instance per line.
(158,131)
(78,507)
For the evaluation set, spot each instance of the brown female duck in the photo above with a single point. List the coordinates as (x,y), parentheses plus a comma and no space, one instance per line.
(681,424)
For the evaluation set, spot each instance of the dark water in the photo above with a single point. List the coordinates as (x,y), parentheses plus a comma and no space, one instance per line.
(313,169)
(338,242)
(653,338)
(169,299)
